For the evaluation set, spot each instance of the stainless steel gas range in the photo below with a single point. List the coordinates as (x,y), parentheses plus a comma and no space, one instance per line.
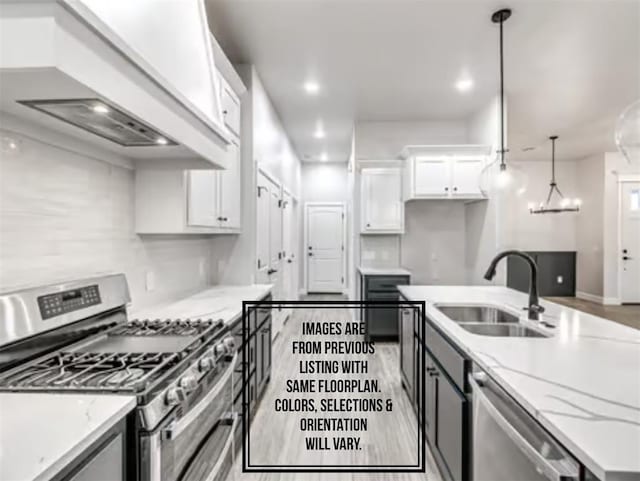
(75,337)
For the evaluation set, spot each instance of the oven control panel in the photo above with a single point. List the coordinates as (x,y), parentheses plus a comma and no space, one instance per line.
(59,303)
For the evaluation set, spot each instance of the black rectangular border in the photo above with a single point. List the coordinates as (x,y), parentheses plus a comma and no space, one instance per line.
(247,306)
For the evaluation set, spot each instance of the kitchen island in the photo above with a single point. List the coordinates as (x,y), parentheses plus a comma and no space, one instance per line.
(581,383)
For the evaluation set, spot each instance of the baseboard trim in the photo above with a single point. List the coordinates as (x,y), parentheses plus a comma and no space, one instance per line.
(589,297)
(611,301)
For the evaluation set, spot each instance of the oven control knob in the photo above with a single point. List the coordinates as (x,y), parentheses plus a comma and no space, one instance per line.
(207,363)
(230,343)
(220,349)
(188,383)
(172,398)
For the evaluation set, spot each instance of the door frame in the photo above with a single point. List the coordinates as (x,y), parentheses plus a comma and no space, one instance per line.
(343,206)
(261,171)
(622,179)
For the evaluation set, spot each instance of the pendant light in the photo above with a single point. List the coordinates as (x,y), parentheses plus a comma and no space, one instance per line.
(497,176)
(627,134)
(558,203)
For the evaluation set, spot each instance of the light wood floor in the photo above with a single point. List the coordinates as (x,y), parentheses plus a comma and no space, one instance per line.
(629,315)
(276,438)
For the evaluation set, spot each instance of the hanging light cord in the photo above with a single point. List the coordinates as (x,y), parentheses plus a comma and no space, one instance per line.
(502,163)
(553,186)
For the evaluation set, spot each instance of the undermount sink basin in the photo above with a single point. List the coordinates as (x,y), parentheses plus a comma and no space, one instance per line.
(502,330)
(477,314)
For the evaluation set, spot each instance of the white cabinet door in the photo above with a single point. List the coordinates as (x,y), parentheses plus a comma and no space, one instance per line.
(202,197)
(229,186)
(431,177)
(230,107)
(382,206)
(465,177)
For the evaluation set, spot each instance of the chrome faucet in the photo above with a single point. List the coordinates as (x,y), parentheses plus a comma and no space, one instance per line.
(534,309)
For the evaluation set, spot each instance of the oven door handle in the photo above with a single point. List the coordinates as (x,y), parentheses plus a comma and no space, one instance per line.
(176,427)
(225,450)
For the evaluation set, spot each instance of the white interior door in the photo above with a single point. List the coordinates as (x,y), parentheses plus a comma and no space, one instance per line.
(324,250)
(630,242)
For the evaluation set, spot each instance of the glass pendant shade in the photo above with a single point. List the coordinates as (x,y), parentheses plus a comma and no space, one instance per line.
(627,135)
(504,179)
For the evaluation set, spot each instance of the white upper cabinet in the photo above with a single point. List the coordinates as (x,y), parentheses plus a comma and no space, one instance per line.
(202,198)
(465,177)
(443,172)
(382,209)
(229,187)
(431,177)
(230,107)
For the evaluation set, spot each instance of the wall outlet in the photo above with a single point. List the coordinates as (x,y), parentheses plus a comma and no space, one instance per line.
(150,281)
(559,279)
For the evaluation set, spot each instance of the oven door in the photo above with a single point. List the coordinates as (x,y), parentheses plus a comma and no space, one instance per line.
(197,444)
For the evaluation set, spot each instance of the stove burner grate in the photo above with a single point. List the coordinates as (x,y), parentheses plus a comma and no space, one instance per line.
(92,371)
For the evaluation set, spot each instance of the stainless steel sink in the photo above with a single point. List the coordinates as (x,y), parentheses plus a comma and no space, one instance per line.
(502,330)
(487,321)
(477,314)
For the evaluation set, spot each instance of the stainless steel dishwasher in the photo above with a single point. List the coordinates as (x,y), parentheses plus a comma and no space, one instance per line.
(508,444)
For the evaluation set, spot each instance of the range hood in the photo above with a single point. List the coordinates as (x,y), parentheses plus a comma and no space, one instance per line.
(100,118)
(65,68)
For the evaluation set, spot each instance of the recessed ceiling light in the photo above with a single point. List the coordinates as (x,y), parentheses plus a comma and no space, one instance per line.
(161,141)
(324,157)
(319,134)
(464,85)
(100,109)
(311,87)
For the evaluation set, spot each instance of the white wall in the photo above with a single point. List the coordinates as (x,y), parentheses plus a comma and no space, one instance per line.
(590,226)
(324,182)
(433,245)
(385,140)
(541,232)
(66,215)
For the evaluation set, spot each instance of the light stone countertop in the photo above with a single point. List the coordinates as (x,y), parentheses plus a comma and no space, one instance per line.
(216,302)
(41,433)
(383,271)
(582,384)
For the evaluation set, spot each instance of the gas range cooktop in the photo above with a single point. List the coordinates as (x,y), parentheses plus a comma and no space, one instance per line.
(129,357)
(76,337)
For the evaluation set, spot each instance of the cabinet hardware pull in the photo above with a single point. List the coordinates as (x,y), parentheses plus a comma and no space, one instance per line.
(446,189)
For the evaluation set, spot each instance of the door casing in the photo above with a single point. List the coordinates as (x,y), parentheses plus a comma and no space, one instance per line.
(307,207)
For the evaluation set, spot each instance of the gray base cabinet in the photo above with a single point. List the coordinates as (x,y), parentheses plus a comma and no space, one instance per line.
(381,322)
(446,396)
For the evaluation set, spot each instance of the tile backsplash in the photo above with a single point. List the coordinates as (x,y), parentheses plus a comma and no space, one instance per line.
(64,215)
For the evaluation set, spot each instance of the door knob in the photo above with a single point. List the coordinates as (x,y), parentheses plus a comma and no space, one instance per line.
(626,258)
(289,261)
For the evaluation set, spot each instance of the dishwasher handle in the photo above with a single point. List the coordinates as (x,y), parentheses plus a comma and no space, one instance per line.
(551,469)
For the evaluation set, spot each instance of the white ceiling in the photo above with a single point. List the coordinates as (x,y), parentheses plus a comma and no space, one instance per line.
(571,66)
